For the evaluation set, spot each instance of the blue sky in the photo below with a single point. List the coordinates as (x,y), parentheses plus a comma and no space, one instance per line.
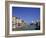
(28,14)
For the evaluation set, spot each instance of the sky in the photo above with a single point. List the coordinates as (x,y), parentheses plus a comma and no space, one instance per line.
(28,14)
